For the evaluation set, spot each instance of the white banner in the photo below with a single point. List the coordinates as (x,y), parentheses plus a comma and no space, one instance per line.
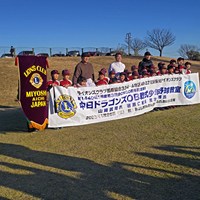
(87,105)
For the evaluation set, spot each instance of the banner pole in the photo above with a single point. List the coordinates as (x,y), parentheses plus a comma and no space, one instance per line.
(54,99)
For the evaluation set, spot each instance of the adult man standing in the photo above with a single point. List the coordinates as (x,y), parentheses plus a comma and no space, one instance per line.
(146,63)
(84,69)
(117,66)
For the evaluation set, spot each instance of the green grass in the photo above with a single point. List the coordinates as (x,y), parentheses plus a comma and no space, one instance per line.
(152,156)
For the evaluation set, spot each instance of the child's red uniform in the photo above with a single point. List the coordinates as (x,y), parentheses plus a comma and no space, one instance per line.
(65,83)
(101,82)
(51,82)
(188,71)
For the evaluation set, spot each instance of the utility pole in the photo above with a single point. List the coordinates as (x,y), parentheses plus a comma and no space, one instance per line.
(128,39)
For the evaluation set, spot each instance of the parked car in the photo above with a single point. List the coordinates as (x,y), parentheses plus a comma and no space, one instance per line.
(94,53)
(73,53)
(58,55)
(26,53)
(43,54)
(98,53)
(7,55)
(112,53)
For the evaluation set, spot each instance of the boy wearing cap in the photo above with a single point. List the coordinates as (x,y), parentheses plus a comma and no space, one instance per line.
(82,82)
(152,72)
(187,68)
(170,69)
(134,68)
(128,74)
(101,80)
(176,70)
(117,66)
(112,77)
(146,63)
(122,77)
(54,79)
(163,69)
(135,75)
(145,73)
(180,62)
(104,71)
(66,82)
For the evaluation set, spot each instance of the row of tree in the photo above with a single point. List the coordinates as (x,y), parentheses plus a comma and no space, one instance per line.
(191,52)
(158,39)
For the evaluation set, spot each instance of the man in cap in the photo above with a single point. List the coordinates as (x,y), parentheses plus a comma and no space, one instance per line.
(66,82)
(146,63)
(84,69)
(117,66)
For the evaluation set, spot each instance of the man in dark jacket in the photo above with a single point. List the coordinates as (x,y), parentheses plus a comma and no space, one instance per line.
(146,63)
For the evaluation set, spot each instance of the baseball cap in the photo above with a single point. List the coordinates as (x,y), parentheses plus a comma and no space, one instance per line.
(134,67)
(180,58)
(163,66)
(135,74)
(54,72)
(65,72)
(82,79)
(147,53)
(123,73)
(170,66)
(171,61)
(103,71)
(145,72)
(127,71)
(112,72)
(188,63)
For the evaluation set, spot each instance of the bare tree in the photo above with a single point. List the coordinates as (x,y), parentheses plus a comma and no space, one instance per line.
(186,49)
(121,48)
(104,49)
(159,38)
(137,45)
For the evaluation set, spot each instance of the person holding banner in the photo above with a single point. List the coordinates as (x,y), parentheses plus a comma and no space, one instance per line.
(66,82)
(180,62)
(84,69)
(102,80)
(54,79)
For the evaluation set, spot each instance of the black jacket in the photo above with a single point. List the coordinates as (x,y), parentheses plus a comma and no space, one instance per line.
(145,64)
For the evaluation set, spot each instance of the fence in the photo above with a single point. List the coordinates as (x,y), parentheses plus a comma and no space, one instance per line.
(56,50)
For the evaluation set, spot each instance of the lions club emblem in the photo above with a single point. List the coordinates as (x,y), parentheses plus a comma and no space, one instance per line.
(36,80)
(66,106)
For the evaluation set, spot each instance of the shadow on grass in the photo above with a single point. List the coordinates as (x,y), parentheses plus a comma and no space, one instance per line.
(94,181)
(12,120)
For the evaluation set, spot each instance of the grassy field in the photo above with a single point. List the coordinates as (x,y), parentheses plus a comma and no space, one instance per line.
(153,156)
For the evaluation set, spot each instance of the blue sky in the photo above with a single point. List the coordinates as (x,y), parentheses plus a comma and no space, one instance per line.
(63,23)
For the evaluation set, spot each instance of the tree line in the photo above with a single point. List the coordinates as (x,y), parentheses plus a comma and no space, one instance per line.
(158,39)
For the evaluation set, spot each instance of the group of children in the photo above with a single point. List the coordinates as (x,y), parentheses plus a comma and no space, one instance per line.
(174,67)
